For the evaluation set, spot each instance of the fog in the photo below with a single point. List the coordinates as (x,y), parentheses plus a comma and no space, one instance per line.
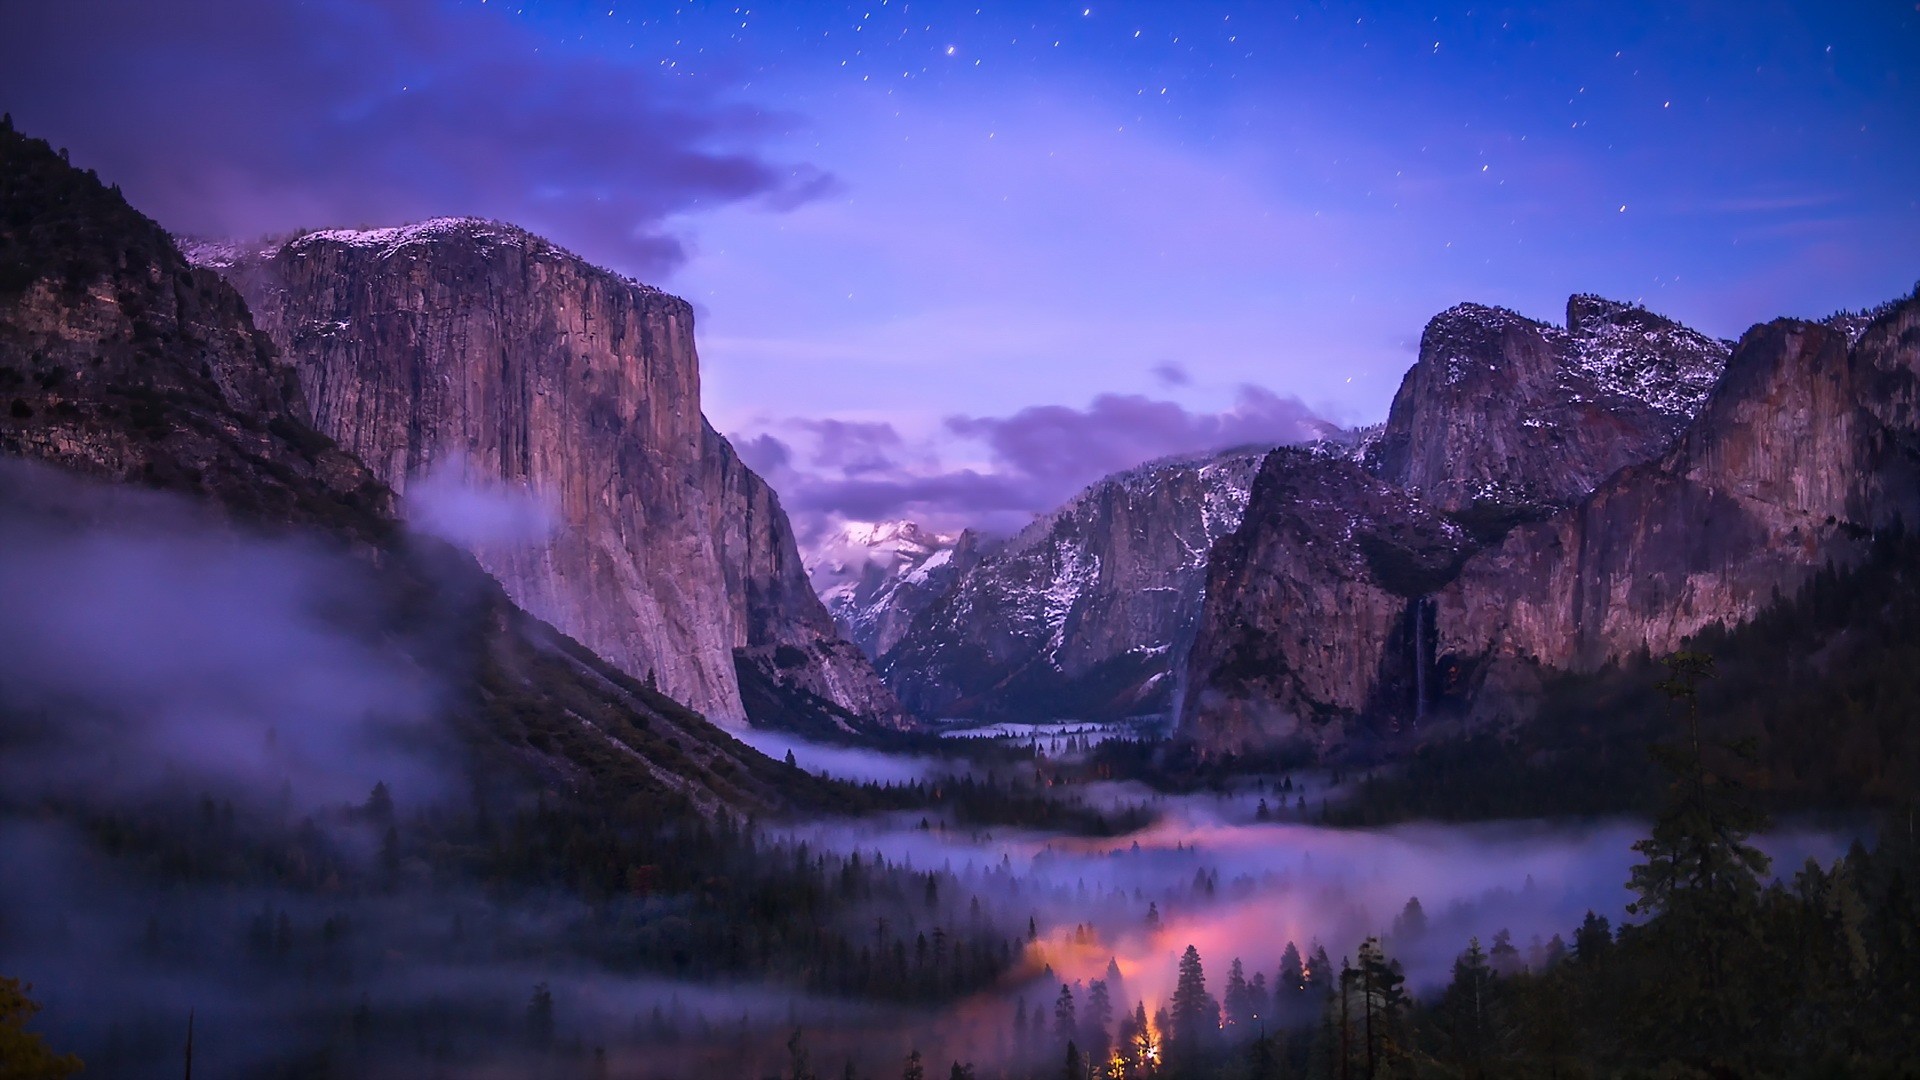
(160,671)
(143,650)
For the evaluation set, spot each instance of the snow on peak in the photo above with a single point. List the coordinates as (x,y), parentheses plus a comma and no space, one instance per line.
(1624,350)
(862,557)
(392,239)
(214,253)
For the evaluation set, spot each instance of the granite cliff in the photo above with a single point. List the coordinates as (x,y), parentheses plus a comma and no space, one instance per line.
(1808,444)
(126,370)
(476,347)
(1321,616)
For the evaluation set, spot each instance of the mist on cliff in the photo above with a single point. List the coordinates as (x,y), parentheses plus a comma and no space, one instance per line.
(466,506)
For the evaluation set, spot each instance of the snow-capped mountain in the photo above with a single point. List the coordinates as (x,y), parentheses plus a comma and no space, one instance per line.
(1085,612)
(875,576)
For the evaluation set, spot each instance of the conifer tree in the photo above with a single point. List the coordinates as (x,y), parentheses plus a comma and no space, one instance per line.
(1466,1011)
(1195,1015)
(23,1054)
(1291,983)
(1237,999)
(1700,881)
(1098,1022)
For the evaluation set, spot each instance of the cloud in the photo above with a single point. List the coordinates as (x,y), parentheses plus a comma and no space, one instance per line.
(1171,374)
(764,454)
(466,508)
(854,447)
(1073,446)
(228,117)
(1035,458)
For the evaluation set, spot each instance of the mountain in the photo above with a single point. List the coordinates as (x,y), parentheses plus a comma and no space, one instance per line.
(1807,447)
(1088,611)
(1510,417)
(121,365)
(1320,614)
(875,577)
(478,349)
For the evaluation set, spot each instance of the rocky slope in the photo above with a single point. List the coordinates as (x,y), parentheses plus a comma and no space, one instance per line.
(475,346)
(1319,610)
(1806,446)
(1509,417)
(123,365)
(876,577)
(1086,612)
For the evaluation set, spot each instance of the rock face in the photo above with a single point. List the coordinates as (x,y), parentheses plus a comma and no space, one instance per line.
(780,628)
(1509,417)
(472,346)
(122,363)
(1805,447)
(876,577)
(1320,611)
(1314,614)
(1085,613)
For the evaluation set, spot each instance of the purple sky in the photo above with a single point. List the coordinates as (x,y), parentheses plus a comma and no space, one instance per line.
(953,260)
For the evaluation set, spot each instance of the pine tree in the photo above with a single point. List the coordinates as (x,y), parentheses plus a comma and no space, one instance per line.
(1411,924)
(1593,941)
(23,1054)
(1237,999)
(1064,1021)
(1098,1022)
(1384,1002)
(914,1070)
(1291,984)
(1466,1011)
(1699,868)
(1196,1015)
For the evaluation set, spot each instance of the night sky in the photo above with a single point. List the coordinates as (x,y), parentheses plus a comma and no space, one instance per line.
(953,260)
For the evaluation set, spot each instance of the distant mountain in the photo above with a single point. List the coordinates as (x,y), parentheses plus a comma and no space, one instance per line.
(1088,611)
(1549,499)
(874,577)
(475,346)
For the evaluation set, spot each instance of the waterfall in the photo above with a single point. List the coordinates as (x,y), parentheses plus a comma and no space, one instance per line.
(1419,660)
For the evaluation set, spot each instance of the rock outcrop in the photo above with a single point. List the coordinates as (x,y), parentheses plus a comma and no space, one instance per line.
(471,348)
(1314,613)
(1806,446)
(124,367)
(1510,418)
(1086,613)
(1321,615)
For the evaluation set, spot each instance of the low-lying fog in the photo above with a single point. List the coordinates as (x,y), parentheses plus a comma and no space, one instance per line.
(138,658)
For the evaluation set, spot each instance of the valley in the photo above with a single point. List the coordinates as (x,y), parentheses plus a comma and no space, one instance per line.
(401,676)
